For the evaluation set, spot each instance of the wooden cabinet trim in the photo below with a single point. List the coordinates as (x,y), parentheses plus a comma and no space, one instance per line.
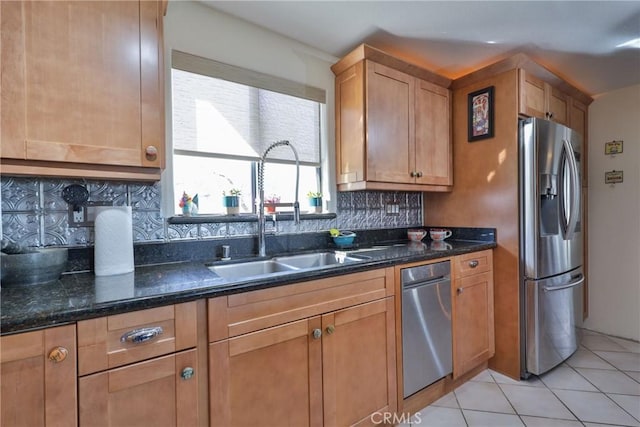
(521,61)
(266,337)
(365,51)
(350,158)
(21,346)
(140,373)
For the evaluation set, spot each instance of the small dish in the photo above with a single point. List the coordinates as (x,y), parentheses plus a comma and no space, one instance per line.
(344,239)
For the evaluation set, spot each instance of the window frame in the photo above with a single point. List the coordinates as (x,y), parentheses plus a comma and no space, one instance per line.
(211,68)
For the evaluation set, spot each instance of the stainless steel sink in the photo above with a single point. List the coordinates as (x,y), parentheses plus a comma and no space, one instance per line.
(318,260)
(283,265)
(243,270)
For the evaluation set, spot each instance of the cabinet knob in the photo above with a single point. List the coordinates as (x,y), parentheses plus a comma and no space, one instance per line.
(459,291)
(187,373)
(419,174)
(474,263)
(58,354)
(317,333)
(330,329)
(151,152)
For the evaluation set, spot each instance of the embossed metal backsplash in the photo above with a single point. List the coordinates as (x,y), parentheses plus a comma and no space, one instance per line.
(34,214)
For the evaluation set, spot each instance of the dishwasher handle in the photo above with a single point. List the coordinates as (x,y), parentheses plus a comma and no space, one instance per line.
(435,280)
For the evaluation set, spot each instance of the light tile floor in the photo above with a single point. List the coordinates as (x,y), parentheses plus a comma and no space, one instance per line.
(598,386)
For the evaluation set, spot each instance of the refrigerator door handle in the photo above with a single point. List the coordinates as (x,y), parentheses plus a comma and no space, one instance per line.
(574,211)
(567,286)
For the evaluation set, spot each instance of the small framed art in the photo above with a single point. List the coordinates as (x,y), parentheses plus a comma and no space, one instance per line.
(480,118)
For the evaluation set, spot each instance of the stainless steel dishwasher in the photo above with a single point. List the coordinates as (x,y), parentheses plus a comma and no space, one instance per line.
(426,325)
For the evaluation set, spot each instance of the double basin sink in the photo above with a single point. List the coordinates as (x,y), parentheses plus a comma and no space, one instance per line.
(285,265)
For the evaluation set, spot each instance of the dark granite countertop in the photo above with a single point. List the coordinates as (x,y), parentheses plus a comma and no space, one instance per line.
(79,296)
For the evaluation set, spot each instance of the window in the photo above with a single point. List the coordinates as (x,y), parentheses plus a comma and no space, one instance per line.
(224,118)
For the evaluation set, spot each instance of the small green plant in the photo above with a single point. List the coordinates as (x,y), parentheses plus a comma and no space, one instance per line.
(232,192)
(314,194)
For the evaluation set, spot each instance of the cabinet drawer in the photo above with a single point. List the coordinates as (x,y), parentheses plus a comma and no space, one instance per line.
(117,340)
(251,311)
(473,263)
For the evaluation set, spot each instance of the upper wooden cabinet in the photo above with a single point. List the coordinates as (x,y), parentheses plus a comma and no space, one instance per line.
(82,88)
(539,99)
(38,378)
(393,124)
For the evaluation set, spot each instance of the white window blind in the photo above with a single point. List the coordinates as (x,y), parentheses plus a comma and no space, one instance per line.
(234,119)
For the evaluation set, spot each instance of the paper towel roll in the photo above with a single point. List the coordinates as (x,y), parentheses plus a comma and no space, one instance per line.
(114,240)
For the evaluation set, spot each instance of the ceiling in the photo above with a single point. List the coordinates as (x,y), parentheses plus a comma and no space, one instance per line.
(575,39)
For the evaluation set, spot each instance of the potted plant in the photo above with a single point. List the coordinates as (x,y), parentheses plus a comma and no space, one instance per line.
(315,201)
(231,201)
(270,203)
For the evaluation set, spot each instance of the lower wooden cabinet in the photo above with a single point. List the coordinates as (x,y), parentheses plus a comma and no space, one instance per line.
(158,392)
(472,307)
(144,368)
(358,363)
(331,368)
(38,378)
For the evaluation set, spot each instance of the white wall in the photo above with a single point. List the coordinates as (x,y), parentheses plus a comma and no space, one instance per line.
(614,216)
(200,30)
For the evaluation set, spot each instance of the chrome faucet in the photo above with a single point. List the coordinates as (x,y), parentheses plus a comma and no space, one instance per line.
(262,251)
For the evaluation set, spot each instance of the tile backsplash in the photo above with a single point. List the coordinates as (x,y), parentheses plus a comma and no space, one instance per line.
(34,213)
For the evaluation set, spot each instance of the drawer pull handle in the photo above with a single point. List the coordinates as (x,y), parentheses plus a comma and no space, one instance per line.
(138,336)
(474,263)
(58,354)
(330,329)
(187,373)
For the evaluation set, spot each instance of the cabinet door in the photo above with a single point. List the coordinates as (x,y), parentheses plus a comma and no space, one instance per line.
(81,82)
(558,105)
(150,393)
(433,159)
(359,363)
(37,391)
(390,124)
(272,377)
(473,334)
(539,99)
(532,96)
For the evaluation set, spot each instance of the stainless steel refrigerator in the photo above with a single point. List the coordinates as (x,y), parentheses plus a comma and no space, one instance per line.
(551,252)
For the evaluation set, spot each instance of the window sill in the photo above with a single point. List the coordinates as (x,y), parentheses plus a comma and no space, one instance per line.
(219,218)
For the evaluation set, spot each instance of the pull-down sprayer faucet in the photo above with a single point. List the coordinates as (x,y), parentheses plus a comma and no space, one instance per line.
(296,205)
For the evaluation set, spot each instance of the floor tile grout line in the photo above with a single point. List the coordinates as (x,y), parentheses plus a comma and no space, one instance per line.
(545,386)
(598,392)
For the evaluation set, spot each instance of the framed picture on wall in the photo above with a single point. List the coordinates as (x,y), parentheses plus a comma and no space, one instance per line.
(480,118)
